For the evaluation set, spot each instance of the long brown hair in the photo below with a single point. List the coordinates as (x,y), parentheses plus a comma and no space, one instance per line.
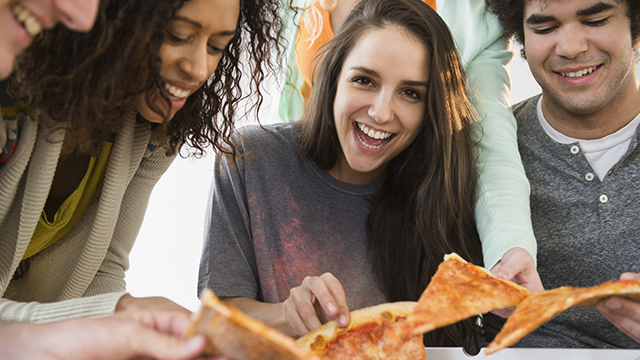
(425,207)
(83,81)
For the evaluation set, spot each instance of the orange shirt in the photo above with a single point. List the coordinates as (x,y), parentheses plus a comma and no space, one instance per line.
(307,47)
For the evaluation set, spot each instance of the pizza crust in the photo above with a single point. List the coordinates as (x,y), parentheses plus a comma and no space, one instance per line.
(541,307)
(235,335)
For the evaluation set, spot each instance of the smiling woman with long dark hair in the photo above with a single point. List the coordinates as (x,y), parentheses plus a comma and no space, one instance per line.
(357,203)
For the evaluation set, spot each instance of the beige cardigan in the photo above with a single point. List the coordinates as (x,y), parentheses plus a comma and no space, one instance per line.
(82,274)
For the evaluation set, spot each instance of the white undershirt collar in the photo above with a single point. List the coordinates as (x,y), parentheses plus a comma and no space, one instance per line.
(601,153)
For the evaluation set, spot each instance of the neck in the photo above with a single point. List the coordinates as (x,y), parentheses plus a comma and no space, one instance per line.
(343,172)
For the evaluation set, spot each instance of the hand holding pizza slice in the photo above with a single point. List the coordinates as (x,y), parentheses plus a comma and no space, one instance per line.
(457,291)
(235,335)
(541,307)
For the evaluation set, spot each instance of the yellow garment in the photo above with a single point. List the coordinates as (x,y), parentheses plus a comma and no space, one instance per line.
(74,206)
(307,46)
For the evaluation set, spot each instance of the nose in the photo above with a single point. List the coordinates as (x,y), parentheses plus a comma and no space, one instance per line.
(77,15)
(198,64)
(571,42)
(381,110)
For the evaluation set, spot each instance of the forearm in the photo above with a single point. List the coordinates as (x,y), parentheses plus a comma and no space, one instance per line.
(270,314)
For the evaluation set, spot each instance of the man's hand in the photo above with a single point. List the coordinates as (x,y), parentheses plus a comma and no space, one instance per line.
(623,313)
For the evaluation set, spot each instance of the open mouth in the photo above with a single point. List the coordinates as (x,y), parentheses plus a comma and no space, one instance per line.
(580,73)
(28,21)
(370,138)
(174,92)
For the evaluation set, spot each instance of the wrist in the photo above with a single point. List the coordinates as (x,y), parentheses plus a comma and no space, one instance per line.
(126,303)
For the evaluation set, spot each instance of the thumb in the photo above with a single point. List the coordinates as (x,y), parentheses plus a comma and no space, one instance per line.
(152,344)
(507,269)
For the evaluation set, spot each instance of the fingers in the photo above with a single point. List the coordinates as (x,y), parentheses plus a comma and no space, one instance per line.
(624,314)
(630,276)
(172,323)
(513,262)
(333,299)
(505,313)
(299,311)
(315,301)
(517,265)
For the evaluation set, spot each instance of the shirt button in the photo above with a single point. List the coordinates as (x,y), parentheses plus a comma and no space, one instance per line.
(589,176)
(575,149)
(603,198)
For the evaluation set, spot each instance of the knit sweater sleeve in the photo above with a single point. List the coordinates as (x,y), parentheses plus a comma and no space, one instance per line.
(502,207)
(93,306)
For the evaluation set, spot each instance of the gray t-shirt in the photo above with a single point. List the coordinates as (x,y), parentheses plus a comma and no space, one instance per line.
(588,231)
(276,218)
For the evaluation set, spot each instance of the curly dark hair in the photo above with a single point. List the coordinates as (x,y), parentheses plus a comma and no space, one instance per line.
(83,81)
(425,207)
(511,15)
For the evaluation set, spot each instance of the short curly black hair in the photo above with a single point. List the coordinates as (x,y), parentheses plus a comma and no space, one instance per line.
(511,15)
(83,81)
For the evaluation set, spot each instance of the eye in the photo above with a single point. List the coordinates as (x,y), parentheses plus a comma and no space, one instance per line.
(214,49)
(413,94)
(596,23)
(175,39)
(544,30)
(362,80)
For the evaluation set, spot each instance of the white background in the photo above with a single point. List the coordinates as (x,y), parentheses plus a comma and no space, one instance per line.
(165,258)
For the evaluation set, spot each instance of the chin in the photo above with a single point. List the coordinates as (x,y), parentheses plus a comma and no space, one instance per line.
(153,116)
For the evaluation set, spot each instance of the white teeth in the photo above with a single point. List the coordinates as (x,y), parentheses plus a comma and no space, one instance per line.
(579,73)
(372,133)
(30,23)
(175,92)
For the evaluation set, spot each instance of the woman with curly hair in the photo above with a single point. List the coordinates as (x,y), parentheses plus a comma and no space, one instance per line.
(101,116)
(365,195)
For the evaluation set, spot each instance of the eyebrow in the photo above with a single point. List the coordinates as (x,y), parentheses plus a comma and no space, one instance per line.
(591,10)
(404,82)
(197,25)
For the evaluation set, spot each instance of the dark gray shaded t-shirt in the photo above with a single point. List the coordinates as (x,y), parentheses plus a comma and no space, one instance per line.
(588,231)
(276,218)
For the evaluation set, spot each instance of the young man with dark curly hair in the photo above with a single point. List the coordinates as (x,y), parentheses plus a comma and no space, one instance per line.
(579,144)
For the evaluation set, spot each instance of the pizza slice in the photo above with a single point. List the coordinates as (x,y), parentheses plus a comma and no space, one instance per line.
(541,307)
(235,335)
(366,336)
(457,291)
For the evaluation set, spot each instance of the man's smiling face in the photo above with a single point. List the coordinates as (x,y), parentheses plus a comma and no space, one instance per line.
(580,52)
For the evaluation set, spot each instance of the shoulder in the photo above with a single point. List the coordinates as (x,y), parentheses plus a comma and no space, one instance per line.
(526,109)
(275,137)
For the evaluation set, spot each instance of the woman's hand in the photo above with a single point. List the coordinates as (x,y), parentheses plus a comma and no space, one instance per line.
(517,266)
(124,336)
(317,300)
(623,313)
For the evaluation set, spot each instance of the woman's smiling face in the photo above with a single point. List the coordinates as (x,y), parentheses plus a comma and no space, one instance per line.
(380,102)
(194,43)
